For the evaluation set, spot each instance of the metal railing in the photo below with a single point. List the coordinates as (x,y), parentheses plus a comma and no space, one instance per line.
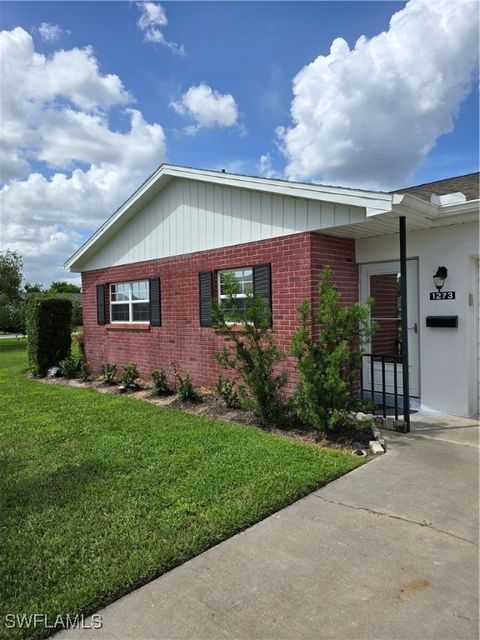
(381,391)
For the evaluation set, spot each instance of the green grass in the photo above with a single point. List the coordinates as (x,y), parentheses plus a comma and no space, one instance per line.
(100,493)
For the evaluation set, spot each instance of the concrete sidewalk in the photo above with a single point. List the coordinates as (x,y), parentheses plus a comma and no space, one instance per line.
(388,551)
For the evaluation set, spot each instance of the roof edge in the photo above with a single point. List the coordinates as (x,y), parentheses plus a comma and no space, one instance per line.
(374,202)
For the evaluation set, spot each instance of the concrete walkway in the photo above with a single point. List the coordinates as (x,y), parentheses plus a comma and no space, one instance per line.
(389,551)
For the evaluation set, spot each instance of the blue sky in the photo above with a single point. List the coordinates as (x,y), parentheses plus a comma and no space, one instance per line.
(394,126)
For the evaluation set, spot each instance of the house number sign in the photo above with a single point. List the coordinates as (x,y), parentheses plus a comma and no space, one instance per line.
(442,295)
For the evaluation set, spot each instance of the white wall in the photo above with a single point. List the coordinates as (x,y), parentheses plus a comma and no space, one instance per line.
(448,357)
(189,215)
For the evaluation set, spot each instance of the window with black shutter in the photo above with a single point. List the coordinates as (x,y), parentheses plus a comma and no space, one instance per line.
(235,286)
(130,301)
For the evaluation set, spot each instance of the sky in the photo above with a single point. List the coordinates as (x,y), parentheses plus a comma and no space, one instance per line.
(96,95)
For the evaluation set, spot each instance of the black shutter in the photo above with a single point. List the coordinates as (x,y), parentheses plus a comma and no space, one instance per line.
(100,304)
(155,303)
(205,290)
(262,284)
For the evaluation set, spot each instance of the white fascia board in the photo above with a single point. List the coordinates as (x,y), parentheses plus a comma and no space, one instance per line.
(459,208)
(372,202)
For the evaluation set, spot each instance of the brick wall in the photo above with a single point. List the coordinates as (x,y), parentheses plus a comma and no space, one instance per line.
(295,261)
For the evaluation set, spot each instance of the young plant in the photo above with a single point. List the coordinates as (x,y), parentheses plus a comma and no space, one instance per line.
(160,383)
(130,375)
(85,371)
(328,348)
(226,390)
(252,352)
(109,371)
(70,367)
(185,388)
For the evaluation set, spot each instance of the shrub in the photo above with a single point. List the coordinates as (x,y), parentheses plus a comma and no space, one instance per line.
(160,382)
(48,330)
(85,371)
(130,375)
(329,360)
(185,388)
(70,367)
(109,371)
(226,390)
(253,354)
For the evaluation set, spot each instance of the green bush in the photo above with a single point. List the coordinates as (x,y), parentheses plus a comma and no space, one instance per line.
(48,330)
(226,390)
(185,388)
(160,383)
(70,367)
(253,354)
(329,359)
(85,371)
(109,371)
(130,375)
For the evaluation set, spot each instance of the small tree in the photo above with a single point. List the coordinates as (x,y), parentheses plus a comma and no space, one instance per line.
(251,352)
(329,358)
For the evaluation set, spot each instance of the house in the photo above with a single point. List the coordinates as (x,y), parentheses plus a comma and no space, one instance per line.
(150,271)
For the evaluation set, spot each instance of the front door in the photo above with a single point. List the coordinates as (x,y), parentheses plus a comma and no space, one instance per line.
(381,281)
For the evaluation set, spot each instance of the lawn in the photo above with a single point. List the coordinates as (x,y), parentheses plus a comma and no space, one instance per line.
(101,493)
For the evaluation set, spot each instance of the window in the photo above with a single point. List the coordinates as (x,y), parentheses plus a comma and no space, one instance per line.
(130,302)
(234,287)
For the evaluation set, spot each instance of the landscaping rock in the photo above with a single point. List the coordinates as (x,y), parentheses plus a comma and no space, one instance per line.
(376,447)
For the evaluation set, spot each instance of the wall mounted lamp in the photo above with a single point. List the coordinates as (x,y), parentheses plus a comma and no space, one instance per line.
(440,277)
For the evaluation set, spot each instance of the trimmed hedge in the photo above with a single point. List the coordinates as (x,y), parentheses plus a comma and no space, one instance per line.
(48,330)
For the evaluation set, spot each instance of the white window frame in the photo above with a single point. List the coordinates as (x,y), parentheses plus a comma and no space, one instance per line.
(130,302)
(236,295)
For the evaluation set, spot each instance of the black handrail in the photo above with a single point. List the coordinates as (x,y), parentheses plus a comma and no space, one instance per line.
(383,359)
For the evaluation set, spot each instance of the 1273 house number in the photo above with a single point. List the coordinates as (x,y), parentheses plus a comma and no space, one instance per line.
(442,295)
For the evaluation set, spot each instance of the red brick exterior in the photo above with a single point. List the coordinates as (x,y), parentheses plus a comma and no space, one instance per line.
(295,261)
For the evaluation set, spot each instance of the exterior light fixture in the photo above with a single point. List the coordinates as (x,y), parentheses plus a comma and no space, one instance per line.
(440,277)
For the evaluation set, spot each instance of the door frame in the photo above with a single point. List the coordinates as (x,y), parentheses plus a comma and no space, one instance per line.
(364,288)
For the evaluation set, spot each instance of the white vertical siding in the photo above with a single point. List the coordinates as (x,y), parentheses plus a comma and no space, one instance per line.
(188,216)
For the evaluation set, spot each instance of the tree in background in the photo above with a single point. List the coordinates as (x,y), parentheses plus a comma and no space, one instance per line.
(11,276)
(33,287)
(64,287)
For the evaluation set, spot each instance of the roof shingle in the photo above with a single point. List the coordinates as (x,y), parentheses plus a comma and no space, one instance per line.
(467,184)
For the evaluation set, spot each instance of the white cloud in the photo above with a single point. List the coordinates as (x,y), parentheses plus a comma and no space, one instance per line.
(151,22)
(64,126)
(51,32)
(265,167)
(368,116)
(207,107)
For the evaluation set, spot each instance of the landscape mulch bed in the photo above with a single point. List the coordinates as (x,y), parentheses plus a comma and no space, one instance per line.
(210,405)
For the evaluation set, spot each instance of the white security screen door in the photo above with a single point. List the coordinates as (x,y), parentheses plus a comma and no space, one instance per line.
(381,281)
